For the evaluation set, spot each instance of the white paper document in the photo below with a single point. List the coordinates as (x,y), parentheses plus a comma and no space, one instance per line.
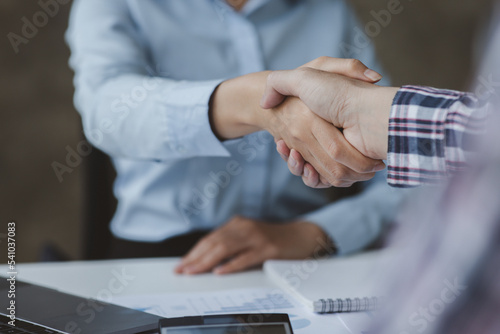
(255,300)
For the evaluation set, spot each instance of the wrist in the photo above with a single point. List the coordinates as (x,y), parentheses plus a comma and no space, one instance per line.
(234,109)
(254,116)
(374,109)
(321,244)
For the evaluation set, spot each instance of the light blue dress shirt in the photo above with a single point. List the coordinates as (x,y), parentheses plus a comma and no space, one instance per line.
(144,74)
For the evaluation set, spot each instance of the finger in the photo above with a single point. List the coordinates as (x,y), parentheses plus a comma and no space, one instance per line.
(331,171)
(296,163)
(351,68)
(283,149)
(241,262)
(340,150)
(214,257)
(311,178)
(201,247)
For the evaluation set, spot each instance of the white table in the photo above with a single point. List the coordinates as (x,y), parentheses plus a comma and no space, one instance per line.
(109,279)
(139,276)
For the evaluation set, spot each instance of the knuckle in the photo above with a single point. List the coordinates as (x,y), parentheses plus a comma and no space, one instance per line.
(308,182)
(272,251)
(337,177)
(221,248)
(246,224)
(205,240)
(270,78)
(210,243)
(236,220)
(296,133)
(354,64)
(342,173)
(337,183)
(303,72)
(334,151)
(321,60)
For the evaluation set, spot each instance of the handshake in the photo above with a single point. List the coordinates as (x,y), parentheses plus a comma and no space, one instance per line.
(329,120)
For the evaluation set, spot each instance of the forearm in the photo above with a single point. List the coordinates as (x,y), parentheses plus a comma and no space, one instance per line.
(160,124)
(130,108)
(370,118)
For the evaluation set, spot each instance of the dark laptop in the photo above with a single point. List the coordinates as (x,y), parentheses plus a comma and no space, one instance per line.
(44,310)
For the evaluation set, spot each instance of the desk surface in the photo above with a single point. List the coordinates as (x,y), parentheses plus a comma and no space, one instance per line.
(138,276)
(118,278)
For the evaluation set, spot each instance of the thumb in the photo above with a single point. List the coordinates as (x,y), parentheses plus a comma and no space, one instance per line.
(280,84)
(351,68)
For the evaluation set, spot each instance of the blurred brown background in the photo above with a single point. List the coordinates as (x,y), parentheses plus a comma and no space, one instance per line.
(429,43)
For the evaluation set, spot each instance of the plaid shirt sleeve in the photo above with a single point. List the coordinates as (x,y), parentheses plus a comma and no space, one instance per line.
(429,134)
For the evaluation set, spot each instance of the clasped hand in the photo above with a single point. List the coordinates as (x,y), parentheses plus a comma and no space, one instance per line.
(342,93)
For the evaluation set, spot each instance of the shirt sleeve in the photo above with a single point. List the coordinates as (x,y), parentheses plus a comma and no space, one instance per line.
(129,108)
(356,222)
(431,134)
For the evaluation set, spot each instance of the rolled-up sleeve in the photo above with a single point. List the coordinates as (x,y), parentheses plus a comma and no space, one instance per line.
(431,133)
(129,108)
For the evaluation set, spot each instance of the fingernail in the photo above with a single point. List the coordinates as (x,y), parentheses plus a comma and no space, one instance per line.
(283,157)
(379,166)
(292,161)
(372,75)
(306,172)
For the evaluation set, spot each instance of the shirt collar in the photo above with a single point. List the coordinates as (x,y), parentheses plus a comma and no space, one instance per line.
(250,7)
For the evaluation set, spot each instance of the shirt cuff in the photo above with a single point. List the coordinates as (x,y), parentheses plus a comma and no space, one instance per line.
(346,237)
(187,128)
(355,223)
(417,130)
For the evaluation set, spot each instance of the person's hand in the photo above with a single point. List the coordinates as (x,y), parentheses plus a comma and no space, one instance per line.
(361,109)
(314,89)
(244,243)
(235,111)
(321,144)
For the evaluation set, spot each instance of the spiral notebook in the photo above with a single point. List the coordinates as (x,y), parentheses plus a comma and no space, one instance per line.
(342,284)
